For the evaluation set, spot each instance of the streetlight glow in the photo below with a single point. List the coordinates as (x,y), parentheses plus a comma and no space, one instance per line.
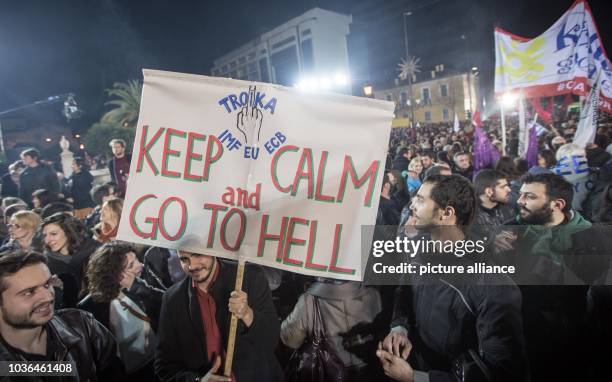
(322,82)
(509,100)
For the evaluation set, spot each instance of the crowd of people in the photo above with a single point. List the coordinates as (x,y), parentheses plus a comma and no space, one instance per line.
(70,292)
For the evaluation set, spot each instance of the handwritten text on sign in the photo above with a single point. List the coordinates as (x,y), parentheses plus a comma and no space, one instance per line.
(200,182)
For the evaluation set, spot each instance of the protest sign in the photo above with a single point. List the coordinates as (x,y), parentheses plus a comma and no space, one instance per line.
(567,58)
(240,169)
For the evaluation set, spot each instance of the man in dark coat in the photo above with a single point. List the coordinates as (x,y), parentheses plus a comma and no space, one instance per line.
(36,176)
(462,165)
(195,320)
(560,257)
(10,179)
(119,166)
(494,210)
(440,320)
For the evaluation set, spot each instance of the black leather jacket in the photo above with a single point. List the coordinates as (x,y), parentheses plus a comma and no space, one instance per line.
(76,337)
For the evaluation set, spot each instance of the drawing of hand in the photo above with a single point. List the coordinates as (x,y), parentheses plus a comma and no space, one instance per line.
(249,119)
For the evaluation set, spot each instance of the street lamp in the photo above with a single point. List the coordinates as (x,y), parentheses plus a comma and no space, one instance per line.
(368,91)
(469,73)
(408,13)
(70,111)
(508,100)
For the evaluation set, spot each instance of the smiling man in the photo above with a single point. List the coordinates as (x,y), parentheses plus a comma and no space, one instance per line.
(195,320)
(31,330)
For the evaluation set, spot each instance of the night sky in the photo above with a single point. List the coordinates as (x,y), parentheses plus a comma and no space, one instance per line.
(83,46)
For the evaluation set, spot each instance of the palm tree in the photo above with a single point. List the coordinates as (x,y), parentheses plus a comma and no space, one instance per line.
(408,68)
(126,103)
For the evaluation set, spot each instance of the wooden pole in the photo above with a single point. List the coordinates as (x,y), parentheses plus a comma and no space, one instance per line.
(231,340)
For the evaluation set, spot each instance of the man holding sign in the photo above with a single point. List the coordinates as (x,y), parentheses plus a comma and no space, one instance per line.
(195,320)
(253,172)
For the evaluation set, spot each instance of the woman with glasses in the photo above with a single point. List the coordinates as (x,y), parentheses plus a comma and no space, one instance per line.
(125,304)
(22,227)
(68,248)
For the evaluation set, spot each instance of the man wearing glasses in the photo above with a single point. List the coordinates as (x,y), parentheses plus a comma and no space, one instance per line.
(31,330)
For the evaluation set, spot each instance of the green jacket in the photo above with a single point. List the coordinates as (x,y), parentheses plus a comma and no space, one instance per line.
(555,241)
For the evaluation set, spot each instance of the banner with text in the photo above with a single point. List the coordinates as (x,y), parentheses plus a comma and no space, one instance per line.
(565,59)
(232,168)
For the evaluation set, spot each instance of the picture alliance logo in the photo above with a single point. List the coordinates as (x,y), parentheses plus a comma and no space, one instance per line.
(250,109)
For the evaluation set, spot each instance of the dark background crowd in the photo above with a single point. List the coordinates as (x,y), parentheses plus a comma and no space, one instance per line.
(159,314)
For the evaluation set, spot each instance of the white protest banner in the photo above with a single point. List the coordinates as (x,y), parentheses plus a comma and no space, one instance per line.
(456,126)
(565,59)
(587,126)
(278,177)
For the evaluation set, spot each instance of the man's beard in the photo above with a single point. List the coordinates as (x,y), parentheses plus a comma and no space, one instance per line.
(25,321)
(209,274)
(540,216)
(496,199)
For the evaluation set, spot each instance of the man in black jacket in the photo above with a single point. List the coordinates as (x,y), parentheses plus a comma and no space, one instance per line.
(191,339)
(462,165)
(36,176)
(30,329)
(441,320)
(493,211)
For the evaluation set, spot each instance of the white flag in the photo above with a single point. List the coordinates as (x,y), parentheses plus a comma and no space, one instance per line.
(565,59)
(456,124)
(523,131)
(587,127)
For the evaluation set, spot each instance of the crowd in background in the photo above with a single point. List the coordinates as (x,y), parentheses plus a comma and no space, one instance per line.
(152,304)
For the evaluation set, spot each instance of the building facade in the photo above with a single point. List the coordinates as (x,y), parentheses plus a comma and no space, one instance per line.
(436,99)
(312,46)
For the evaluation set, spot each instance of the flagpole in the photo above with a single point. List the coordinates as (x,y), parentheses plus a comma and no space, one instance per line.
(503,126)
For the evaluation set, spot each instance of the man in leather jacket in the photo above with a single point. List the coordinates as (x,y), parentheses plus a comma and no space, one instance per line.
(30,329)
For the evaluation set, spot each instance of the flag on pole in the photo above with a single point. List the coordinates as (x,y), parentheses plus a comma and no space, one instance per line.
(587,127)
(523,132)
(476,121)
(456,124)
(565,59)
(485,153)
(532,149)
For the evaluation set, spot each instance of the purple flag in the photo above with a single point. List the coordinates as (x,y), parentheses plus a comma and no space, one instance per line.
(485,153)
(532,149)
